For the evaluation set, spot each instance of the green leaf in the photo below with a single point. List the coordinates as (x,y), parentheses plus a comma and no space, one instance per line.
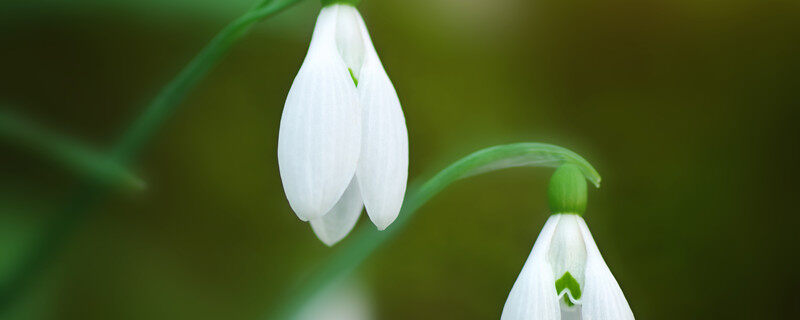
(67,152)
(131,142)
(364,241)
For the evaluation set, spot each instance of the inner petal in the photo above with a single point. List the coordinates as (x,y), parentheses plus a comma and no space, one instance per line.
(349,40)
(567,257)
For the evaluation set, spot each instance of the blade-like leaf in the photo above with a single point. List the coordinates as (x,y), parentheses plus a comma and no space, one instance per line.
(131,142)
(66,152)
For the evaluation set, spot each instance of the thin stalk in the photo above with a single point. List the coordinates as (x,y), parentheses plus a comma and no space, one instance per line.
(367,238)
(176,90)
(133,139)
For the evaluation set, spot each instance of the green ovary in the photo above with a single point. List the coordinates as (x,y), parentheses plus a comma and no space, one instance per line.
(568,282)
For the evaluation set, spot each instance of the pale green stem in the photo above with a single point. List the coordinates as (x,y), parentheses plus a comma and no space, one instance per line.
(176,90)
(133,139)
(362,243)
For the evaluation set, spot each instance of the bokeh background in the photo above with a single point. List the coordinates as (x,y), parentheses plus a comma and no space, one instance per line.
(687,108)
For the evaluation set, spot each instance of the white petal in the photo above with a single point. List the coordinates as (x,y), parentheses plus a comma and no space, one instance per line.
(602,297)
(320,132)
(337,223)
(533,296)
(383,166)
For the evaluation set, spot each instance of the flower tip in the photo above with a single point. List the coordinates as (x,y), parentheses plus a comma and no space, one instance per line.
(326,238)
(382,216)
(381,222)
(328,242)
(301,217)
(340,220)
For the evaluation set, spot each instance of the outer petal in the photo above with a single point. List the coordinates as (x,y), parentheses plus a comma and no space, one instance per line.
(320,132)
(533,296)
(602,297)
(337,223)
(383,166)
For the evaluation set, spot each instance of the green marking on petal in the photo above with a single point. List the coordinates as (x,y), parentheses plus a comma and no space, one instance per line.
(353,76)
(567,282)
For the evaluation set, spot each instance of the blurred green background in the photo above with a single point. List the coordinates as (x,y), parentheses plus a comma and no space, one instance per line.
(687,108)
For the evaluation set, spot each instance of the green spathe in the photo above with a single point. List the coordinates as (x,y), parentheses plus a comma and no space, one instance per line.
(354,3)
(567,190)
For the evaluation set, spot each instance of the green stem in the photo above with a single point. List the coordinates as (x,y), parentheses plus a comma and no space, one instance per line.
(131,142)
(367,239)
(176,90)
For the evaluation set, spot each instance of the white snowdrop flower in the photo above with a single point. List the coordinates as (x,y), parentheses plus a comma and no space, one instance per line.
(565,276)
(343,143)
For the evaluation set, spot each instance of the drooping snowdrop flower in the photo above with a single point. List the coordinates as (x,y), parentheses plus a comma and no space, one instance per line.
(565,276)
(343,143)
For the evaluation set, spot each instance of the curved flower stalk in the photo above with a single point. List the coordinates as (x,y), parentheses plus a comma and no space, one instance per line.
(367,240)
(565,276)
(343,142)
